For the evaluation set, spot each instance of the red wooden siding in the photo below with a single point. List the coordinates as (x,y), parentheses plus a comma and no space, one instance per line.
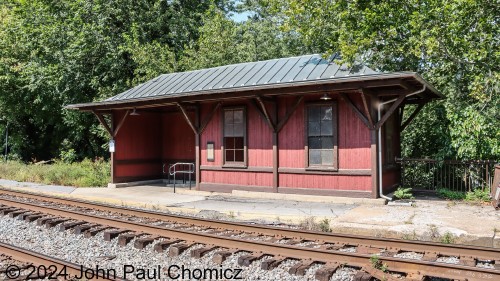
(291,138)
(138,141)
(237,178)
(212,133)
(177,138)
(335,182)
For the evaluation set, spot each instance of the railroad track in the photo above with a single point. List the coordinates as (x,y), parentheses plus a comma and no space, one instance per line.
(22,264)
(178,233)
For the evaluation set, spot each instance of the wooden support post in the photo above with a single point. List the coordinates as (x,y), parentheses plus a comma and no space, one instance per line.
(119,126)
(197,148)
(276,161)
(113,161)
(367,109)
(374,148)
(103,123)
(390,111)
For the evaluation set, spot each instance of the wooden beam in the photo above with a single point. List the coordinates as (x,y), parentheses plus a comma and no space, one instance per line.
(356,110)
(289,113)
(186,116)
(412,116)
(209,117)
(263,114)
(367,110)
(117,129)
(103,123)
(390,111)
(197,141)
(269,120)
(401,112)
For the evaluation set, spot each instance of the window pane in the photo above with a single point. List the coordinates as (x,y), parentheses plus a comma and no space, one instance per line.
(313,114)
(228,117)
(238,116)
(238,130)
(326,113)
(327,142)
(326,128)
(314,129)
(314,157)
(327,157)
(229,155)
(228,130)
(239,155)
(314,143)
(229,143)
(238,143)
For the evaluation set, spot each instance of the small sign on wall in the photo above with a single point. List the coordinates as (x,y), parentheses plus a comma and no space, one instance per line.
(112,146)
(210,151)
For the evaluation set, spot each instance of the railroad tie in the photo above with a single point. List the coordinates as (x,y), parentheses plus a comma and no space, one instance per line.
(430,256)
(124,239)
(467,260)
(93,231)
(22,216)
(362,276)
(54,222)
(80,229)
(30,218)
(221,256)
(160,247)
(300,268)
(141,243)
(5,212)
(70,225)
(41,221)
(246,260)
(326,272)
(200,252)
(177,249)
(111,234)
(17,213)
(271,263)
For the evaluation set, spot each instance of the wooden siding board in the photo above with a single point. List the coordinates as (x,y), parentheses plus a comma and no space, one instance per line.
(237,178)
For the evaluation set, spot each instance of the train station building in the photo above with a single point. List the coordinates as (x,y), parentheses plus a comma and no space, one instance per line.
(300,125)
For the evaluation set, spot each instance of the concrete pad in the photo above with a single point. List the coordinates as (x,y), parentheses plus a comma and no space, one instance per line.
(308,198)
(147,194)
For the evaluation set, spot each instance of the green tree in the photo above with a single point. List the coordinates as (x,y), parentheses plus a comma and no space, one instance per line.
(453,43)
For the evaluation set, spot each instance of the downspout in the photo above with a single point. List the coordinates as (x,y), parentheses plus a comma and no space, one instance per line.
(380,142)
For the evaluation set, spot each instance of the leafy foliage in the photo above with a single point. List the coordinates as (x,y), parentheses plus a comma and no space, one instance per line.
(403,193)
(453,43)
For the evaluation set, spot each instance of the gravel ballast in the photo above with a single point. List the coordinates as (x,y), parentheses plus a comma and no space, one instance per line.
(93,252)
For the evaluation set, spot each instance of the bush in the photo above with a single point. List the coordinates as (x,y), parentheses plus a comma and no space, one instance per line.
(83,174)
(478,195)
(450,195)
(403,193)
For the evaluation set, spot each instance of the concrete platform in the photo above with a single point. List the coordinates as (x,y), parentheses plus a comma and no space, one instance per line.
(433,220)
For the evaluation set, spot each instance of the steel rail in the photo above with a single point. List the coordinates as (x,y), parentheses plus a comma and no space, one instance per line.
(416,267)
(23,255)
(482,253)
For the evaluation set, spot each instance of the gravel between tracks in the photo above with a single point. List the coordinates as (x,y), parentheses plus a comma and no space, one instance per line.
(95,251)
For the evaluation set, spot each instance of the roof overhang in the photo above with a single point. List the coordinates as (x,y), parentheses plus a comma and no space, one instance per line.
(383,83)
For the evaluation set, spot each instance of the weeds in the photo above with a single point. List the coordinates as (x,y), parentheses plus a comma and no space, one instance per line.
(377,263)
(478,195)
(448,238)
(83,174)
(311,224)
(403,193)
(450,195)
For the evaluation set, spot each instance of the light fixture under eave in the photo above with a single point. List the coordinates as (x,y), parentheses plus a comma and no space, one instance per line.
(325,97)
(134,113)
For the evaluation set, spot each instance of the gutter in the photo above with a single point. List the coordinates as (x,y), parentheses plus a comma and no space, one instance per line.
(380,141)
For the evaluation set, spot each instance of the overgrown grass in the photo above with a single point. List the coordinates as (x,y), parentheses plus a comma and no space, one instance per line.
(80,174)
(477,195)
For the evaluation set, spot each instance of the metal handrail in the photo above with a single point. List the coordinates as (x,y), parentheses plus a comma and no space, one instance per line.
(172,170)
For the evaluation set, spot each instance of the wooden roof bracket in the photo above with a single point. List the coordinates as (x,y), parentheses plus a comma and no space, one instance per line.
(360,115)
(186,116)
(289,113)
(261,108)
(209,117)
(412,116)
(112,133)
